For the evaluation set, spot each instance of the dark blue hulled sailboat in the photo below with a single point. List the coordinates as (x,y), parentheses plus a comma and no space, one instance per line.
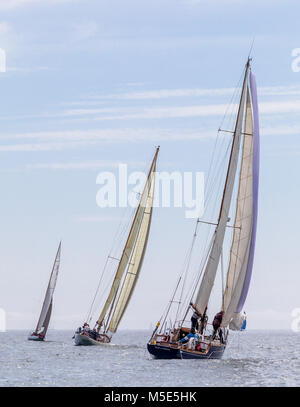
(178,341)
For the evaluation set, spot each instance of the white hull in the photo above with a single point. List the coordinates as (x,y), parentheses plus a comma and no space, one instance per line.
(84,340)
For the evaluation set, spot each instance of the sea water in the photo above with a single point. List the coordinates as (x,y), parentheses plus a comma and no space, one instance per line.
(252,358)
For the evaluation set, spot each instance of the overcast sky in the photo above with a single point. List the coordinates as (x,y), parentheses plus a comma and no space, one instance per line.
(92,83)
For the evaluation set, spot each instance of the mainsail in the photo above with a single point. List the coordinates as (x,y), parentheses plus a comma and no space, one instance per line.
(243,243)
(131,259)
(45,315)
(216,250)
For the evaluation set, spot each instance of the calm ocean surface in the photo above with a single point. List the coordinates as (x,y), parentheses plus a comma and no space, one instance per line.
(253,358)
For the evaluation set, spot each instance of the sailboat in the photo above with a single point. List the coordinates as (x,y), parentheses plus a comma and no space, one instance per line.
(203,340)
(40,331)
(127,271)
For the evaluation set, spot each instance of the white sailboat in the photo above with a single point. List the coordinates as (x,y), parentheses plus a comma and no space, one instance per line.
(179,341)
(40,331)
(127,272)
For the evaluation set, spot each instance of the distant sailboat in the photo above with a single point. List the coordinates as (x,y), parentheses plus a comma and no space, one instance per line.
(40,331)
(128,270)
(178,341)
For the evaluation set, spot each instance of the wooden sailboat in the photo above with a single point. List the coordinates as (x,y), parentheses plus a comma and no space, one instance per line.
(198,341)
(40,331)
(127,272)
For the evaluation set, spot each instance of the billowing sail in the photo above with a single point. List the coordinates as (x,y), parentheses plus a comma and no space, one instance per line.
(137,257)
(132,255)
(243,244)
(45,315)
(215,253)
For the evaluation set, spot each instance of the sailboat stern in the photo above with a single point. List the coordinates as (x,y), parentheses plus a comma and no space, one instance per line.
(82,339)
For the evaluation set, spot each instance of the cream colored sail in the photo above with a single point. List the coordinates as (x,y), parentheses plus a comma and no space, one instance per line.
(140,223)
(137,257)
(214,257)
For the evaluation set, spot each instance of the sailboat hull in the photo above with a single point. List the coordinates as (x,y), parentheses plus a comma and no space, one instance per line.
(35,338)
(85,340)
(158,351)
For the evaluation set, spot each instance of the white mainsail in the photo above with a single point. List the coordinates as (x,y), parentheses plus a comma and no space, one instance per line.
(45,315)
(209,275)
(132,256)
(242,248)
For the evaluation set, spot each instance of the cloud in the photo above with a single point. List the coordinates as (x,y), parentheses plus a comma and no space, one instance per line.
(196,92)
(13,4)
(287,106)
(86,165)
(74,139)
(93,219)
(78,139)
(85,30)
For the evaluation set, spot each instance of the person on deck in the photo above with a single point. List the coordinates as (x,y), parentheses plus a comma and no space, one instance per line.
(192,334)
(86,327)
(195,317)
(216,325)
(203,322)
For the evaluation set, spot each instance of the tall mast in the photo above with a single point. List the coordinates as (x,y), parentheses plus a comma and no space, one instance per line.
(208,279)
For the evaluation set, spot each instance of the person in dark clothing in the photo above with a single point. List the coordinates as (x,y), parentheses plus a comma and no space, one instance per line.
(195,317)
(203,322)
(216,325)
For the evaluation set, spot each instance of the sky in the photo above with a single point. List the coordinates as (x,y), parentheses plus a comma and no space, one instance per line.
(91,84)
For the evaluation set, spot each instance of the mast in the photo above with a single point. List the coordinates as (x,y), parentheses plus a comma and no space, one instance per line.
(208,279)
(45,314)
(132,256)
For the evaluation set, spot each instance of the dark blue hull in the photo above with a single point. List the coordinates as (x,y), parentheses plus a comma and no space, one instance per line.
(168,352)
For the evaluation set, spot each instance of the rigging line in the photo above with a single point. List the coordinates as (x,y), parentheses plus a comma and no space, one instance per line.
(189,255)
(204,250)
(252,44)
(89,315)
(218,173)
(231,99)
(200,275)
(97,290)
(234,95)
(187,267)
(170,303)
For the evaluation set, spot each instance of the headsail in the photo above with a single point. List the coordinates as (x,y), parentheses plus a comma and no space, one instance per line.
(45,315)
(132,257)
(243,244)
(215,253)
